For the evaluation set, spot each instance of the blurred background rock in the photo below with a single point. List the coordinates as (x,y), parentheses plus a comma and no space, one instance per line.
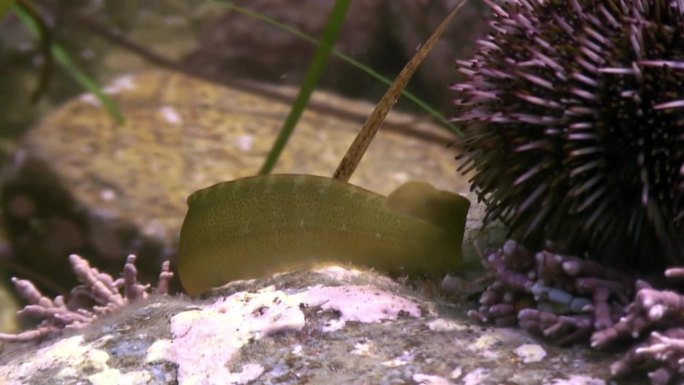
(382,34)
(226,45)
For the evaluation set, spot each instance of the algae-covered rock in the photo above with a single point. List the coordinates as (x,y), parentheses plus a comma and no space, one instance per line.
(81,184)
(328,326)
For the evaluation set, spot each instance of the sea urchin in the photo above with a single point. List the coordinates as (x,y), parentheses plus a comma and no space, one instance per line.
(573,121)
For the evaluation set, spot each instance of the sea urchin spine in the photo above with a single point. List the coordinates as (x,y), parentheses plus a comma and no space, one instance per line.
(573,114)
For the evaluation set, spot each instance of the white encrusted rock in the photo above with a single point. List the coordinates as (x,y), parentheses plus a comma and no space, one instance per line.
(327,326)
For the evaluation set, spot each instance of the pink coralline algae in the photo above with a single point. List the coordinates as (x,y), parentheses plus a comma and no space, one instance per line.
(568,300)
(97,295)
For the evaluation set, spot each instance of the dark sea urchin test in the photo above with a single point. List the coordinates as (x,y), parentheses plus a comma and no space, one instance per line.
(573,121)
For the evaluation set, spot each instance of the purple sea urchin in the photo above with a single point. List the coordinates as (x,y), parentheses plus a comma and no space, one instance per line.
(573,121)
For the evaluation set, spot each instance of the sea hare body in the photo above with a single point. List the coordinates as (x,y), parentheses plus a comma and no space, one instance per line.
(260,225)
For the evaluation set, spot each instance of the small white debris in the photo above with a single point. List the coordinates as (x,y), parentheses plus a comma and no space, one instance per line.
(158,351)
(244,142)
(113,376)
(170,115)
(456,373)
(395,362)
(402,360)
(490,355)
(426,379)
(90,99)
(122,83)
(476,377)
(400,177)
(483,342)
(107,195)
(442,325)
(530,353)
(576,380)
(338,273)
(154,228)
(362,349)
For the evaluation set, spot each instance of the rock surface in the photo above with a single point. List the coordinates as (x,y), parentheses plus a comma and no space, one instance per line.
(83,185)
(328,326)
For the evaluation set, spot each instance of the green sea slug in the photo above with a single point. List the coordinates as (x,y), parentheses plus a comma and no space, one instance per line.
(260,225)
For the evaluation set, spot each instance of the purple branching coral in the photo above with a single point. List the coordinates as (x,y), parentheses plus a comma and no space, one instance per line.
(564,298)
(97,295)
(659,314)
(572,114)
(567,299)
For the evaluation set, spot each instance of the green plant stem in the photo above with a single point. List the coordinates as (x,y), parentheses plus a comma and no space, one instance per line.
(320,58)
(413,98)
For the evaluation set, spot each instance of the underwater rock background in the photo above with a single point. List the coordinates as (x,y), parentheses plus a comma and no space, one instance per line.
(227,46)
(383,34)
